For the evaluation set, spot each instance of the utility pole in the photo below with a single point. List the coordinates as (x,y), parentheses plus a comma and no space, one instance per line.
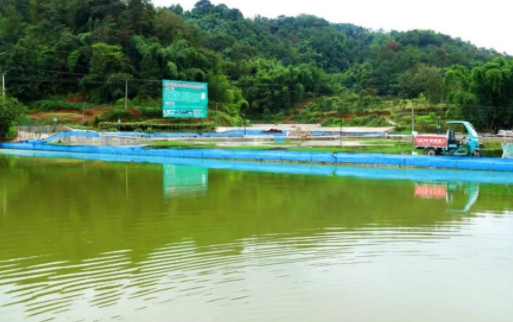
(412,117)
(341,121)
(216,118)
(126,94)
(487,109)
(83,113)
(3,85)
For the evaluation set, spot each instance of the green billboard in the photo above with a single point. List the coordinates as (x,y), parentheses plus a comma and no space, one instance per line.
(184,99)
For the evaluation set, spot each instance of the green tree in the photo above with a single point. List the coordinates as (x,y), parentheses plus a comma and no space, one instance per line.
(10,23)
(492,84)
(11,110)
(141,14)
(423,79)
(176,8)
(169,27)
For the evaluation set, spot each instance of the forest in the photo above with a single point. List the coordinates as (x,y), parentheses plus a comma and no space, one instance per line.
(61,53)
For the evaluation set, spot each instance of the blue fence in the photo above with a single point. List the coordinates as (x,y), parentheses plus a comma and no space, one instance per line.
(423,175)
(282,156)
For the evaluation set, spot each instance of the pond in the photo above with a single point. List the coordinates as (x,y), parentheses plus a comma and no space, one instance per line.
(90,240)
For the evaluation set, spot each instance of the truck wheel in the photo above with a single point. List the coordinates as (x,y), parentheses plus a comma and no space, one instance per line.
(477,154)
(431,152)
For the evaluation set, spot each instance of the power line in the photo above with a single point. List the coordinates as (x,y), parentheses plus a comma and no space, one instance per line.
(273,98)
(382,85)
(83,80)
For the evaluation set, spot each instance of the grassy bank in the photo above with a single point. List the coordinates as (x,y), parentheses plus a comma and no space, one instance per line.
(388,147)
(491,149)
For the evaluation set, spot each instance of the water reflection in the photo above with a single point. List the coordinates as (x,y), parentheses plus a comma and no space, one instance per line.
(184,181)
(94,240)
(459,196)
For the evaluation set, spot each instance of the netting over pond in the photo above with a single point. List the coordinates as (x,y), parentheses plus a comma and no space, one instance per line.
(508,151)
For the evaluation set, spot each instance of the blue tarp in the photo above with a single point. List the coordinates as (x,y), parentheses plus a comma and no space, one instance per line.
(72,134)
(462,163)
(229,134)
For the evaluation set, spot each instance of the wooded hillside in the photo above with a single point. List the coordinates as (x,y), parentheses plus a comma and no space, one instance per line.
(88,48)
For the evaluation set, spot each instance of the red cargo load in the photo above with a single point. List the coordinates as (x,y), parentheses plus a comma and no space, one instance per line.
(434,141)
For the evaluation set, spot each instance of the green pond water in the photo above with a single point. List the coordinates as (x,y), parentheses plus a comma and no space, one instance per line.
(98,241)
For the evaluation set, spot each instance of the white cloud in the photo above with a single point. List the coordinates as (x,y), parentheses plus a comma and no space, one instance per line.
(484,23)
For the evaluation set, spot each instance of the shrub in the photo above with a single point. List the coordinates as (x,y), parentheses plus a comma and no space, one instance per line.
(144,101)
(450,114)
(151,112)
(48,105)
(11,110)
(327,122)
(378,122)
(12,134)
(121,102)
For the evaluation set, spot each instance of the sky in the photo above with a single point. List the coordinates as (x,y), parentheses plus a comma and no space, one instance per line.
(484,23)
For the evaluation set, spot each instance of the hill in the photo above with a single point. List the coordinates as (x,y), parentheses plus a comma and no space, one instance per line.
(86,50)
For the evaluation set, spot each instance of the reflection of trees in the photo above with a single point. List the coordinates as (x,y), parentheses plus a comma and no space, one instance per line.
(74,226)
(12,179)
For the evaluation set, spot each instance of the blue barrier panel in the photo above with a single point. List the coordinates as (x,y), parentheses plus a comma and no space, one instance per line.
(481,164)
(325,158)
(138,152)
(503,167)
(109,150)
(14,146)
(225,154)
(155,153)
(55,148)
(293,157)
(192,153)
